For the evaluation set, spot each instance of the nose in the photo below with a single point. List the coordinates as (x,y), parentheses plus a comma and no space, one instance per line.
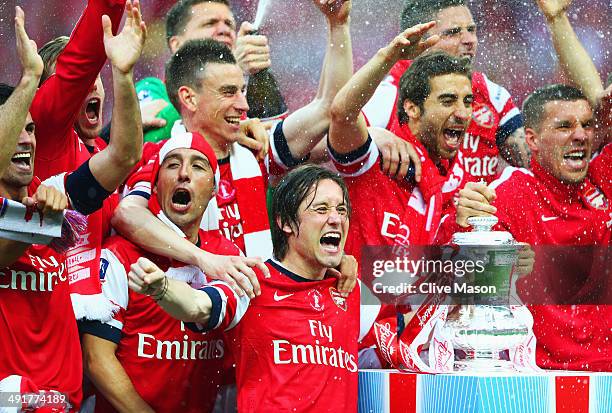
(241,103)
(26,138)
(334,218)
(580,133)
(468,37)
(463,112)
(184,173)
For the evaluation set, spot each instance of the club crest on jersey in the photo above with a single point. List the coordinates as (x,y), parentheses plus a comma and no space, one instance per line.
(596,199)
(339,300)
(483,115)
(316,300)
(226,191)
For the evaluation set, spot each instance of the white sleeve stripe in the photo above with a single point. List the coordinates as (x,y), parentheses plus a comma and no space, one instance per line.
(242,304)
(115,323)
(368,162)
(508,171)
(512,113)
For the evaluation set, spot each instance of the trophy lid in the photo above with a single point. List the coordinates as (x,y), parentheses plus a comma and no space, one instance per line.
(482,233)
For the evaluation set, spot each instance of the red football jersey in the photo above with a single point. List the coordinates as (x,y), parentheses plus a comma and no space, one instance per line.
(39,339)
(59,99)
(494,118)
(296,346)
(538,209)
(188,365)
(391,212)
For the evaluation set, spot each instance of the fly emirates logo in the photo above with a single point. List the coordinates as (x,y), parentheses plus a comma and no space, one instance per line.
(150,347)
(49,272)
(286,352)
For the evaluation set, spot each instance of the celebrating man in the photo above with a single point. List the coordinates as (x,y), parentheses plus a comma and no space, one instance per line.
(496,124)
(40,338)
(435,102)
(563,200)
(296,346)
(142,355)
(212,19)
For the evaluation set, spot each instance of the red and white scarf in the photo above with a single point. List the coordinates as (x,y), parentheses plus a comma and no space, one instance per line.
(251,197)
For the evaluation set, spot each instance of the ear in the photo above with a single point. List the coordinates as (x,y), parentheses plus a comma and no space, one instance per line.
(413,111)
(188,98)
(174,43)
(533,139)
(286,228)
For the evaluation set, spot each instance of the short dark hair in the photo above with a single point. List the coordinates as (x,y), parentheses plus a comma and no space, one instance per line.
(423,11)
(288,196)
(415,84)
(533,106)
(187,66)
(49,54)
(5,92)
(180,14)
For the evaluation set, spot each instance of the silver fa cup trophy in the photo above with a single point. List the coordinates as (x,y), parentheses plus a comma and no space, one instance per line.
(483,326)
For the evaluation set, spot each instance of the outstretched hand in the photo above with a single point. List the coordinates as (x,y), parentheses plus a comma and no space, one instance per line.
(553,8)
(31,62)
(336,11)
(411,42)
(124,49)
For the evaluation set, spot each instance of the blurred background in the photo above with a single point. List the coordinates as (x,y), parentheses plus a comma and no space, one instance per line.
(514,46)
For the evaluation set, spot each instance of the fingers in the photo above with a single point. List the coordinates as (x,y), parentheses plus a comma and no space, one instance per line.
(526,260)
(418,30)
(246,28)
(394,160)
(20,24)
(480,188)
(242,280)
(257,262)
(49,200)
(415,160)
(107,27)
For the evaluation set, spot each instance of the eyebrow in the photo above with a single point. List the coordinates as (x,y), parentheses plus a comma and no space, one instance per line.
(447,96)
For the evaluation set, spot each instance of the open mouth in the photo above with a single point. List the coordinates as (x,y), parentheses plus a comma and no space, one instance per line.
(22,160)
(181,200)
(576,159)
(453,137)
(330,241)
(92,111)
(233,120)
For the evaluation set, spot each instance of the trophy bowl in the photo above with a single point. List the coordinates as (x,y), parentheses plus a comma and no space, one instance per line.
(483,326)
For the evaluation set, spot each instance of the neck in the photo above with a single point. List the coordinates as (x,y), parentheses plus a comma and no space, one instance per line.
(220,146)
(311,270)
(12,193)
(191,232)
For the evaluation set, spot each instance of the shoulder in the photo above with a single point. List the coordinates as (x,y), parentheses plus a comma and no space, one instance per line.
(214,242)
(485,88)
(514,185)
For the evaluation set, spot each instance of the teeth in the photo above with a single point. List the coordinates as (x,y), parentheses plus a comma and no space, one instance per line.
(22,156)
(233,121)
(332,235)
(574,155)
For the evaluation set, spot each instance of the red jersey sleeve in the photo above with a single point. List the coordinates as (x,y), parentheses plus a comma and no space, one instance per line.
(57,102)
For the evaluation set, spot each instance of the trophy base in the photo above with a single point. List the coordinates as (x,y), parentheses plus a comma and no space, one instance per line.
(485,361)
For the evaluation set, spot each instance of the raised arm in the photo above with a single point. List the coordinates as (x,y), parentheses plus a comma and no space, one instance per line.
(305,127)
(574,59)
(14,111)
(111,166)
(134,220)
(60,97)
(348,130)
